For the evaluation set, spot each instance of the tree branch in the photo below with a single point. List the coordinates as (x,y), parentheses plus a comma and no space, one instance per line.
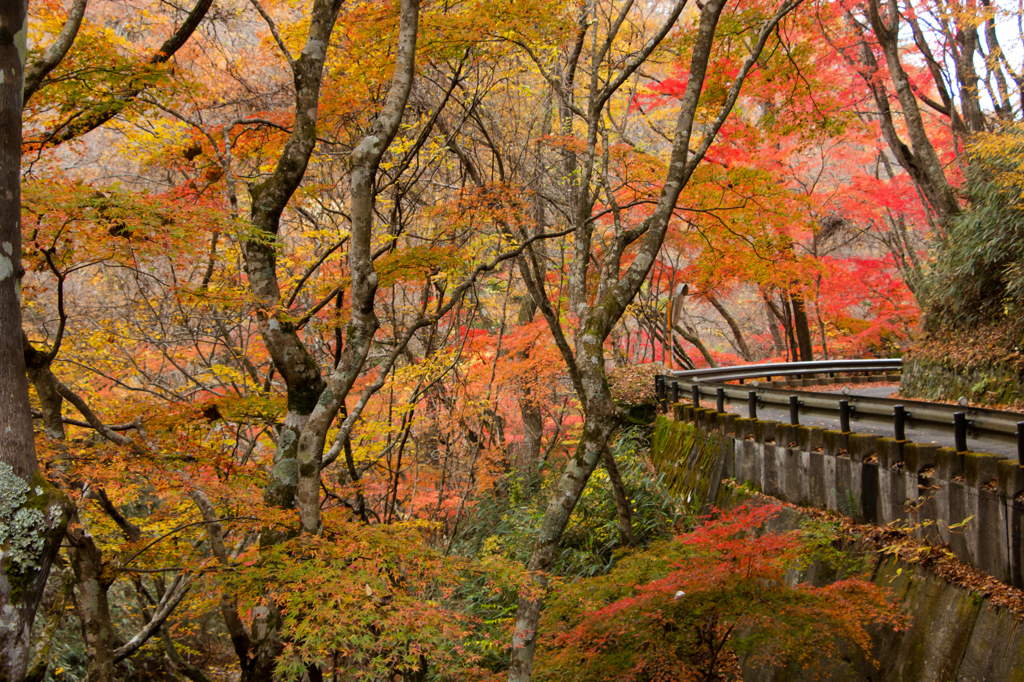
(170,602)
(56,52)
(89,119)
(273,31)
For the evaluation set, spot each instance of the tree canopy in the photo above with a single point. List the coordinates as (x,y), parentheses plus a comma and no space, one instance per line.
(308,307)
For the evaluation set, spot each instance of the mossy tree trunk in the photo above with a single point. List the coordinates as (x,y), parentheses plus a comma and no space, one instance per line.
(33,514)
(93,604)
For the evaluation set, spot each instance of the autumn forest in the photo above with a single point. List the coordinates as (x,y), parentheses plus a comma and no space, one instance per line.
(322,321)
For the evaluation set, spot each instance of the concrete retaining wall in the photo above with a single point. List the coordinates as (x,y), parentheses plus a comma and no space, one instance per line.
(689,458)
(871,479)
(953,634)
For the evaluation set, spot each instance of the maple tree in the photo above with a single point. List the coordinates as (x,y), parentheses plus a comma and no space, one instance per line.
(955,88)
(627,249)
(796,223)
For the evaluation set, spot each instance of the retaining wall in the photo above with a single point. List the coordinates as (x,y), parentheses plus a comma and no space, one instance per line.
(872,479)
(954,634)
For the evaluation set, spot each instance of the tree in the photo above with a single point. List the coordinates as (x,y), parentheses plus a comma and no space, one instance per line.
(33,514)
(963,62)
(975,281)
(94,97)
(597,309)
(179,333)
(953,87)
(797,192)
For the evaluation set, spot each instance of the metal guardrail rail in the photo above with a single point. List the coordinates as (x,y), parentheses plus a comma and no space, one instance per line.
(769,370)
(964,422)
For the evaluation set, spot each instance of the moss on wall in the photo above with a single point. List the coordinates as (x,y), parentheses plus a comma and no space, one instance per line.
(928,378)
(686,456)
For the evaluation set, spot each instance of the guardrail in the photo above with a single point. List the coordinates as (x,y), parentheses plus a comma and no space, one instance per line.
(800,369)
(976,423)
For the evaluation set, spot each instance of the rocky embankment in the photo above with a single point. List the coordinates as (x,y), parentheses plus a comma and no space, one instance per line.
(986,366)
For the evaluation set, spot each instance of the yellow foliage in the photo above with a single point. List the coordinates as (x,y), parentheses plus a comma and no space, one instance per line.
(1002,152)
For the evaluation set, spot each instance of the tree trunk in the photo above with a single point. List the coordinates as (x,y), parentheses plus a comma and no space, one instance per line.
(237,631)
(55,609)
(617,287)
(533,430)
(802,327)
(919,160)
(596,430)
(784,318)
(529,406)
(33,514)
(300,371)
(363,322)
(824,338)
(773,326)
(93,605)
(313,403)
(621,497)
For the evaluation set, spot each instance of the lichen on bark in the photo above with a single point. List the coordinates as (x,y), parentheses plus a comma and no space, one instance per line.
(29,513)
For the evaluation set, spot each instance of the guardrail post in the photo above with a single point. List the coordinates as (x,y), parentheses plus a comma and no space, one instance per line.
(1020,443)
(720,400)
(794,410)
(844,417)
(659,391)
(752,404)
(695,391)
(960,432)
(899,417)
(675,392)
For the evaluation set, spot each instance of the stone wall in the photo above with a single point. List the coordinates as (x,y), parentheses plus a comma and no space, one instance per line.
(874,480)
